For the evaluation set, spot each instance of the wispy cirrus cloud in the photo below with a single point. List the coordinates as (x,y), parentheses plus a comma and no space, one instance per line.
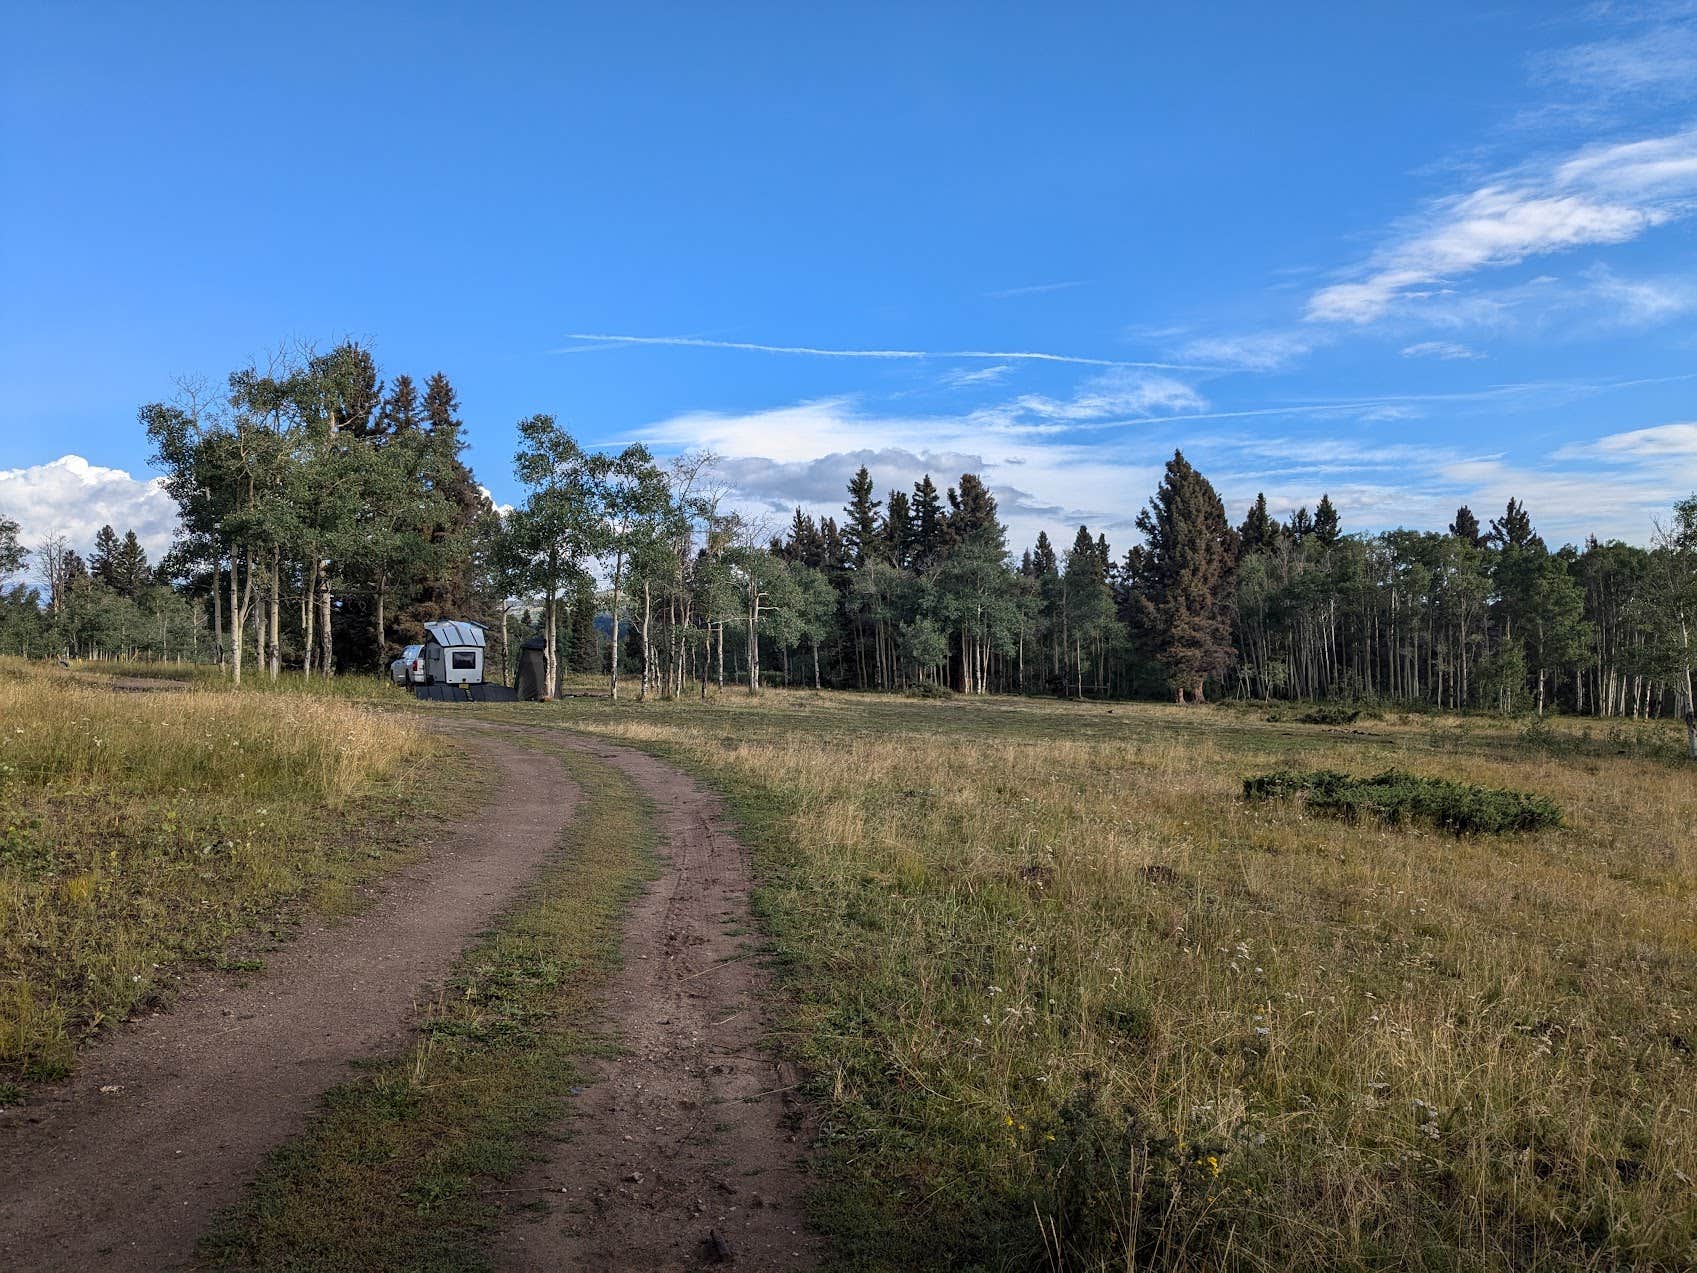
(1661,442)
(594,341)
(1116,394)
(1036,289)
(962,377)
(1253,351)
(1600,195)
(1448,350)
(1660,64)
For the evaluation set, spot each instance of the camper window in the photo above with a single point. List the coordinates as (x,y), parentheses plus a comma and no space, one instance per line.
(465,660)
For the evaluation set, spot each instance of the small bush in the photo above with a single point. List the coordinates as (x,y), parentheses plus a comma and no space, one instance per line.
(1330,716)
(930,689)
(1398,797)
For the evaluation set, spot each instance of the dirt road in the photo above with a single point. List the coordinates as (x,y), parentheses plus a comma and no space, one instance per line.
(698,1130)
(163,1125)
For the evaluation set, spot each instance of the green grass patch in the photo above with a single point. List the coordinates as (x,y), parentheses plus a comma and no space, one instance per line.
(1256,1041)
(1398,797)
(142,835)
(394,1170)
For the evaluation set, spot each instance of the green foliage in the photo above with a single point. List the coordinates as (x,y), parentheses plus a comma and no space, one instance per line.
(1183,578)
(1397,797)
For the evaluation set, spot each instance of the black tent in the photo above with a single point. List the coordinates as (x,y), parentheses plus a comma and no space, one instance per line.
(533,669)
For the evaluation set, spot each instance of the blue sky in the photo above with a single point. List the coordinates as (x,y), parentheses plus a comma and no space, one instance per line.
(1410,254)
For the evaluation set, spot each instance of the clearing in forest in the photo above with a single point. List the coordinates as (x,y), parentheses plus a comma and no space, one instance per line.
(1060,988)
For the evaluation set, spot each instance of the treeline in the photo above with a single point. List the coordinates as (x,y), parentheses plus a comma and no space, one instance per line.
(328,515)
(114,603)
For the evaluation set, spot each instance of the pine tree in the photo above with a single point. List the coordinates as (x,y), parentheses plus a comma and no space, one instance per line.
(585,646)
(1044,563)
(972,516)
(451,592)
(898,530)
(1259,532)
(400,411)
(1465,527)
(1184,578)
(1300,526)
(926,514)
(1327,526)
(804,544)
(1514,528)
(129,571)
(861,532)
(103,561)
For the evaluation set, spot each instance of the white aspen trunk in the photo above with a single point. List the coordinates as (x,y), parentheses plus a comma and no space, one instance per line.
(327,653)
(647,660)
(618,568)
(235,621)
(309,589)
(276,612)
(550,654)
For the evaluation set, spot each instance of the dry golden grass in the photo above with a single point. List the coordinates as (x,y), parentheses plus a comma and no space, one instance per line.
(1073,1000)
(139,830)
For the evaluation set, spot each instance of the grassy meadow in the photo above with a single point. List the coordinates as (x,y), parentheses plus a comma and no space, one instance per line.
(143,833)
(1070,1000)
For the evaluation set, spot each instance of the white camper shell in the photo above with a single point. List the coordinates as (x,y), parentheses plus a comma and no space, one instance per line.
(453,653)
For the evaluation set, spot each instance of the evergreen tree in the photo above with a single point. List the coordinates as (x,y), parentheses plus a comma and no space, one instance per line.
(400,412)
(1514,528)
(1044,563)
(1465,527)
(1185,577)
(861,534)
(804,545)
(103,562)
(1327,527)
(585,644)
(926,514)
(129,573)
(899,531)
(972,516)
(1300,526)
(1259,532)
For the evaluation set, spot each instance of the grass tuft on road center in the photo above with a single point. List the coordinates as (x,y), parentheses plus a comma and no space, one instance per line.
(395,1170)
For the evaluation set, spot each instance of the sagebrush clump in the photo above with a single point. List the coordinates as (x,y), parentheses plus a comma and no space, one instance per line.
(1398,796)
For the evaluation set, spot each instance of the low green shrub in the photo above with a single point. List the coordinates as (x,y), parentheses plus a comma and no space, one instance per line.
(1399,797)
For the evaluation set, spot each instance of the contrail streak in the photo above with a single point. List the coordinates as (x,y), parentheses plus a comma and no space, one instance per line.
(988,355)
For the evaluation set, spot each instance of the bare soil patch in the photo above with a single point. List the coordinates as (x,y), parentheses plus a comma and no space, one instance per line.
(124,1166)
(686,1147)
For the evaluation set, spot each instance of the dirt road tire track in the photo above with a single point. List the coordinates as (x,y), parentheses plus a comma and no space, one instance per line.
(124,1166)
(696,1127)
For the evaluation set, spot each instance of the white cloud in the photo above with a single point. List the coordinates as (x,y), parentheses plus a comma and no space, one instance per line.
(1448,350)
(1035,289)
(1601,195)
(1117,394)
(1640,302)
(1256,351)
(805,454)
(1662,442)
(74,498)
(961,377)
(1661,63)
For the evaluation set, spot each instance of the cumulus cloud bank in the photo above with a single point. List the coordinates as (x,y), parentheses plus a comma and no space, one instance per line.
(71,497)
